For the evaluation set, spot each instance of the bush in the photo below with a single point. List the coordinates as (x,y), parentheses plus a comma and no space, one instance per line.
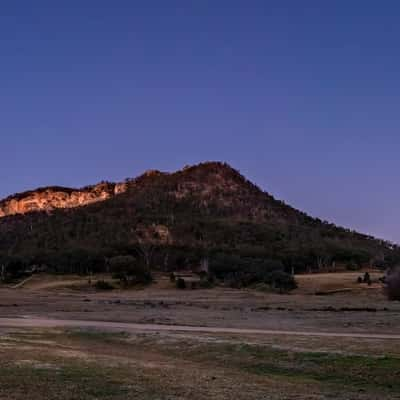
(129,271)
(281,280)
(367,278)
(207,283)
(103,285)
(193,285)
(13,268)
(180,283)
(393,285)
(239,272)
(352,266)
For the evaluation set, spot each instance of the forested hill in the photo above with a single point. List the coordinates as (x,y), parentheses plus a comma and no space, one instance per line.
(207,210)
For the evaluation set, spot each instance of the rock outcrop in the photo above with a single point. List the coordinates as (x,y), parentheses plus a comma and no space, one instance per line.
(50,198)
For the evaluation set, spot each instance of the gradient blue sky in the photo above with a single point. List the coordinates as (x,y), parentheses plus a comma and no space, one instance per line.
(301,96)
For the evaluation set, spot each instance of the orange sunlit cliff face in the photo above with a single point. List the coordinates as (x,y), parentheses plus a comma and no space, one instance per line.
(50,198)
(223,179)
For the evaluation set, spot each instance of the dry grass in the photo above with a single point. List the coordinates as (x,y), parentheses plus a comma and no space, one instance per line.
(336,282)
(88,365)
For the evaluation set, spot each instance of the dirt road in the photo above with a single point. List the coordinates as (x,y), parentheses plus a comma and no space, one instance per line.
(31,322)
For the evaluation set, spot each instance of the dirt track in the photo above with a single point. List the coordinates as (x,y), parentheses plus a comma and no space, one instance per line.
(132,327)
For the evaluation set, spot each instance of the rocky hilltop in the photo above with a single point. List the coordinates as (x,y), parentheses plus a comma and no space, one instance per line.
(50,198)
(207,210)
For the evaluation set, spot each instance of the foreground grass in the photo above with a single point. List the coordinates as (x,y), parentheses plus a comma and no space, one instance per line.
(369,373)
(90,364)
(357,372)
(71,381)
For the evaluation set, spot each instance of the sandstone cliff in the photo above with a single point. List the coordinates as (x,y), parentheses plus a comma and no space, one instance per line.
(49,198)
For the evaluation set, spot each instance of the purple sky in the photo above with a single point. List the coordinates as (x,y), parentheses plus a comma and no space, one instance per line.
(301,96)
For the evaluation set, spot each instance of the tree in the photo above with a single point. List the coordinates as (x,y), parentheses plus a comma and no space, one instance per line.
(393,284)
(147,239)
(129,270)
(180,283)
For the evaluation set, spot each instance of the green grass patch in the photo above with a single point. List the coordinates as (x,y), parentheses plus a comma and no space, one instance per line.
(356,371)
(96,335)
(68,381)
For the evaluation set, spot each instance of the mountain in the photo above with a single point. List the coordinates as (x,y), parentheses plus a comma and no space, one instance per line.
(176,220)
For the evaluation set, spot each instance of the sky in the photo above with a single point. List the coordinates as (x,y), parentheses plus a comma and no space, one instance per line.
(301,96)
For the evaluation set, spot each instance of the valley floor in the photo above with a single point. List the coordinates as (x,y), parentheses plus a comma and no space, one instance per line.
(223,360)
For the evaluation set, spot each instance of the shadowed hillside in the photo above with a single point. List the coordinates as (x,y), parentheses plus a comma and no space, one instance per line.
(208,211)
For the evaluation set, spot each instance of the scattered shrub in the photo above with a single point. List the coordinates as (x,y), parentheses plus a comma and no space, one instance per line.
(239,272)
(352,266)
(129,271)
(103,285)
(207,283)
(203,275)
(367,278)
(393,285)
(180,283)
(281,281)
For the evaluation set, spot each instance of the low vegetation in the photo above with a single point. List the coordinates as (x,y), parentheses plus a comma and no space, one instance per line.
(357,371)
(104,365)
(239,272)
(103,285)
(129,270)
(393,284)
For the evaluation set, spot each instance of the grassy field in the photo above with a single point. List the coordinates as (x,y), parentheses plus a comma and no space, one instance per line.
(88,364)
(326,283)
(93,364)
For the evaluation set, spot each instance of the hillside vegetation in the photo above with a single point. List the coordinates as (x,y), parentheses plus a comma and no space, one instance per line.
(207,213)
